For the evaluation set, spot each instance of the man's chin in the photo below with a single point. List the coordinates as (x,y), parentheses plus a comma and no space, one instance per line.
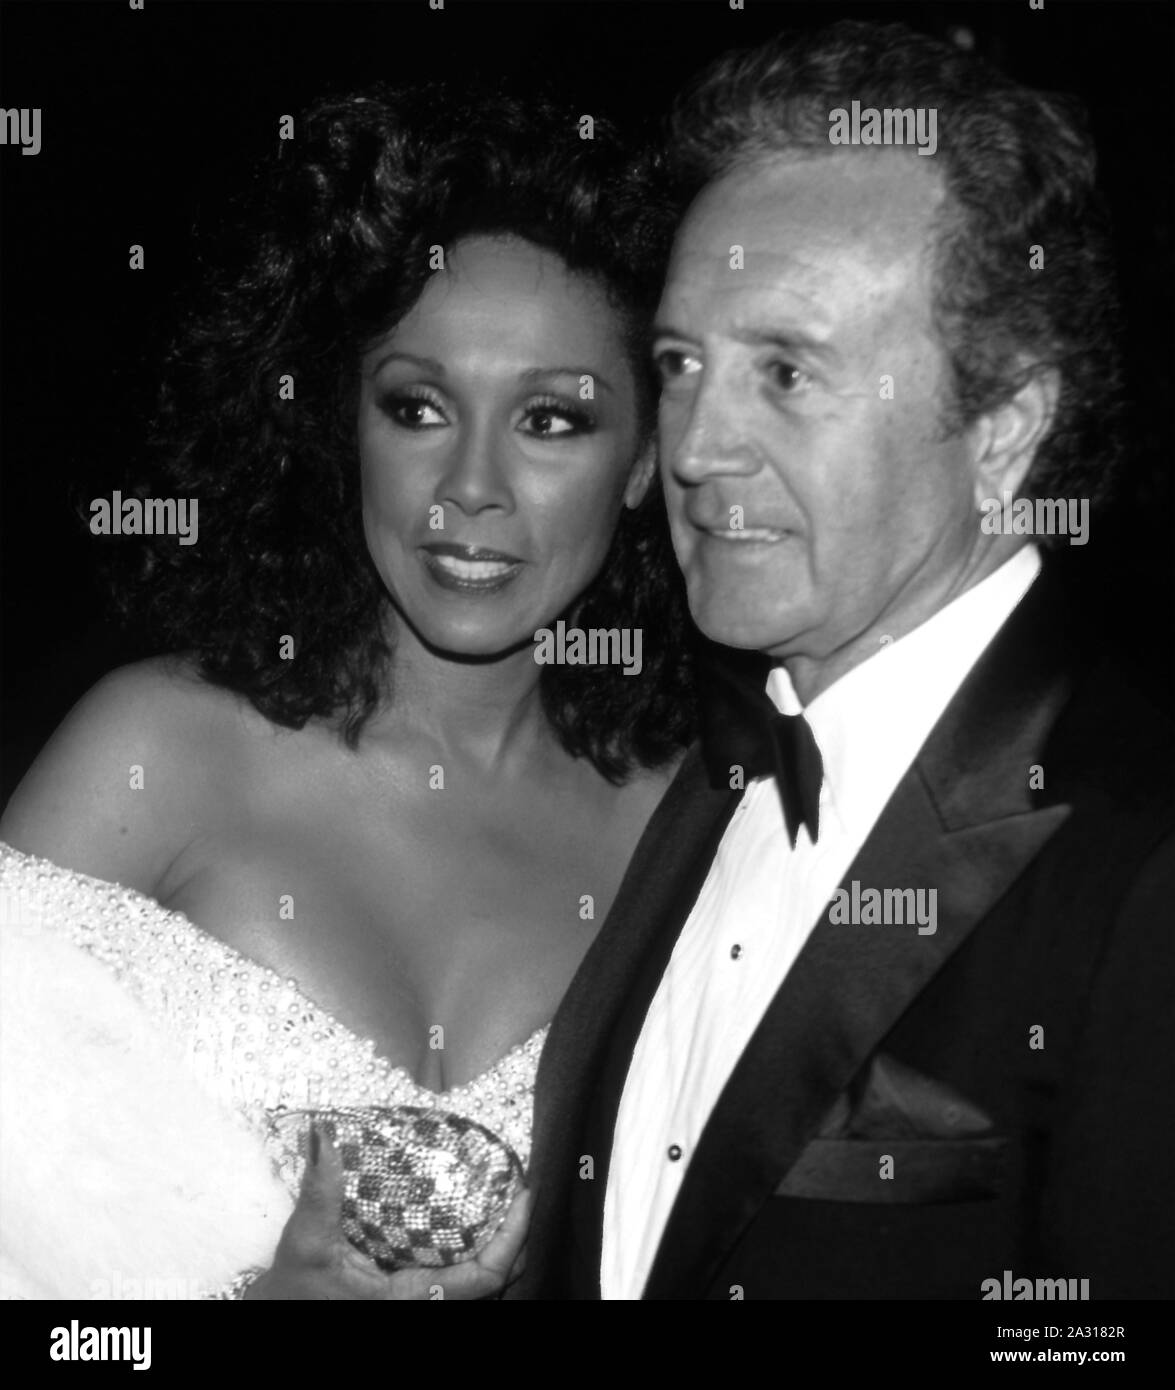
(739,602)
(737,625)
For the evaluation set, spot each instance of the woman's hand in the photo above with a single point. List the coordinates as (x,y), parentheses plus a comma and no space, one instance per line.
(315,1260)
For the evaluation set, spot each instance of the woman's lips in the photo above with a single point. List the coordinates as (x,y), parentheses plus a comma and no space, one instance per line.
(470,568)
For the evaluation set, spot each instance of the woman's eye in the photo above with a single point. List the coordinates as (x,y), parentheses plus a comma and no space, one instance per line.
(673,363)
(413,412)
(546,421)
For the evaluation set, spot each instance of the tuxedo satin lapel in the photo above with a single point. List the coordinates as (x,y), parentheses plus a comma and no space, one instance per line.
(666,871)
(964,822)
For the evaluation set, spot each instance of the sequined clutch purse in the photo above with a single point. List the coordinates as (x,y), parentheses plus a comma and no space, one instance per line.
(421,1186)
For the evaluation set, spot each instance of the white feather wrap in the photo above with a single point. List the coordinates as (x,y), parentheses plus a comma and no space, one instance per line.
(120,1177)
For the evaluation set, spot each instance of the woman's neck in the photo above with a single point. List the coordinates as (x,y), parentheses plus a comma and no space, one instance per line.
(487,713)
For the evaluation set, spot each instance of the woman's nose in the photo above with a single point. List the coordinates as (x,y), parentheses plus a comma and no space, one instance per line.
(477,476)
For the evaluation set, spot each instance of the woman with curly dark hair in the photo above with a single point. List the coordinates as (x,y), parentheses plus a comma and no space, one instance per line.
(344,849)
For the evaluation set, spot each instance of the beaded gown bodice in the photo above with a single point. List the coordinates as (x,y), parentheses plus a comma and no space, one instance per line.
(254,1040)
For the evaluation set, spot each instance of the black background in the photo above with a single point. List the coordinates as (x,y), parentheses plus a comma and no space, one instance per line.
(150,118)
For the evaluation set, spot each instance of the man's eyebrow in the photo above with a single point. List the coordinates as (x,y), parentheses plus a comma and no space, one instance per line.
(789,340)
(667,330)
(757,335)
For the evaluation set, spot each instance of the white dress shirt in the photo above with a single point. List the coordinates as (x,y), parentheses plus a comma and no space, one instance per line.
(762,898)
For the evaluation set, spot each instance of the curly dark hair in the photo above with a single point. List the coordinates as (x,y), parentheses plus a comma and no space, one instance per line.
(334,251)
(1018,168)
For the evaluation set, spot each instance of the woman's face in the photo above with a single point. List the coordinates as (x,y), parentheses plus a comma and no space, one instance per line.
(492,473)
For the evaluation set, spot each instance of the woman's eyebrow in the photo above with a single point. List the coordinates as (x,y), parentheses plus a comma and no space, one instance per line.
(533,373)
(430,364)
(427,364)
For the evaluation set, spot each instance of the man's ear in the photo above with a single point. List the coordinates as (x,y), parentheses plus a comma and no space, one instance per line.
(1006,439)
(641,475)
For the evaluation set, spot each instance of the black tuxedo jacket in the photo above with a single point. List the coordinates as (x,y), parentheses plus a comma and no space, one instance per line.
(1014,1068)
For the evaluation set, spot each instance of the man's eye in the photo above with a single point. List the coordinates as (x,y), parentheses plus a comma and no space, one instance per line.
(413,412)
(672,363)
(787,376)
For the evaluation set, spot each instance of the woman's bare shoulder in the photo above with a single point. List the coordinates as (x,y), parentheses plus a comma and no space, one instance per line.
(116,790)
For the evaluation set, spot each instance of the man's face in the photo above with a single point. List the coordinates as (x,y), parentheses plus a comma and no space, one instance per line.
(857,517)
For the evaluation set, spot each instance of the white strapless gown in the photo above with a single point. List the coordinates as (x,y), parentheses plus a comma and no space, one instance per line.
(141,1060)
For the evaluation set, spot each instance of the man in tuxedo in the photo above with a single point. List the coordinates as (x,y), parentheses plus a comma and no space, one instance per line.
(883,1008)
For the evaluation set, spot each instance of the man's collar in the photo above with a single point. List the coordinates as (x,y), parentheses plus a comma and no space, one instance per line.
(870,723)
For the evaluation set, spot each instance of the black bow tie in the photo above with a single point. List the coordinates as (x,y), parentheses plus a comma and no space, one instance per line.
(741,728)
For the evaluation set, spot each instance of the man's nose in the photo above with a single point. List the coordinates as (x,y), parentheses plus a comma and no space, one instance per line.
(476,478)
(703,439)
